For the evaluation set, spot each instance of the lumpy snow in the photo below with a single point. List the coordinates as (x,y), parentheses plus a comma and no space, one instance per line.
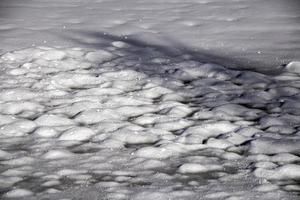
(78,123)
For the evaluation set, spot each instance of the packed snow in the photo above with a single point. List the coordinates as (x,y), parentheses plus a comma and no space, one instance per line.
(98,124)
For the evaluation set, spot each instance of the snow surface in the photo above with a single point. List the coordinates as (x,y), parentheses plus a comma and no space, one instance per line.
(135,99)
(256,34)
(78,123)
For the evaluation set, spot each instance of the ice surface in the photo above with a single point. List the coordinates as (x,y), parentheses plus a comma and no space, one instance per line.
(78,123)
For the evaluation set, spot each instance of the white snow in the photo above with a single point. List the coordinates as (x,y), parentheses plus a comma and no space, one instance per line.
(17,193)
(99,56)
(77,133)
(293,67)
(24,160)
(53,120)
(57,154)
(198,168)
(18,128)
(154,152)
(144,106)
(46,132)
(286,172)
(53,55)
(115,128)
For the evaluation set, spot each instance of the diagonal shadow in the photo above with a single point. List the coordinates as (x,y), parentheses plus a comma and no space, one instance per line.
(139,54)
(173,50)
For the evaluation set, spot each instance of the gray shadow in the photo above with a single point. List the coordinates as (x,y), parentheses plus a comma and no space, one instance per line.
(143,50)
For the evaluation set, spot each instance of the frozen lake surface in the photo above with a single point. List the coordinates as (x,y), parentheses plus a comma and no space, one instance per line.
(131,100)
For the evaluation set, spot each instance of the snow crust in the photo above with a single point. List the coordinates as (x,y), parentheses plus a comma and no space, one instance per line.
(77,123)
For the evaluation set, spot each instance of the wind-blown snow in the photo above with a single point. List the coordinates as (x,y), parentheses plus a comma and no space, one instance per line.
(77,123)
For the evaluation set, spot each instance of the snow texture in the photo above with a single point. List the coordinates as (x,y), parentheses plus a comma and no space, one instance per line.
(143,100)
(104,125)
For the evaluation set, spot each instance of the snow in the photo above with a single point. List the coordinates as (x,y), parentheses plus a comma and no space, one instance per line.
(286,172)
(53,55)
(235,32)
(77,133)
(18,193)
(192,168)
(18,128)
(114,128)
(293,67)
(120,111)
(53,120)
(46,132)
(18,161)
(153,152)
(57,154)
